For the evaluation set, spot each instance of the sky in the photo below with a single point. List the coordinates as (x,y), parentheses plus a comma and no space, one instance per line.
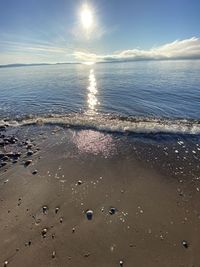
(51,31)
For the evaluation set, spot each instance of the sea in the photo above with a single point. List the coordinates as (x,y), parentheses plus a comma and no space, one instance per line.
(137,97)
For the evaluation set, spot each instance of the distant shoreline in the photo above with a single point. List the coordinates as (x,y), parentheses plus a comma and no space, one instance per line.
(100,62)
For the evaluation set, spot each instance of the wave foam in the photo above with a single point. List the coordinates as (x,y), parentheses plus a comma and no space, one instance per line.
(112,123)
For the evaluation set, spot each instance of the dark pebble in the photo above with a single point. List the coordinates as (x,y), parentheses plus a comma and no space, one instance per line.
(30,153)
(185,244)
(89,214)
(53,254)
(27,163)
(34,172)
(5,158)
(3,164)
(112,211)
(45,209)
(56,210)
(44,232)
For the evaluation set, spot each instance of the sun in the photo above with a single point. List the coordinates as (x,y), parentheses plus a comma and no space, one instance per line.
(86,17)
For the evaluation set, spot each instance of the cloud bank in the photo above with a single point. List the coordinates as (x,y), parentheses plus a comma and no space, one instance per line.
(179,49)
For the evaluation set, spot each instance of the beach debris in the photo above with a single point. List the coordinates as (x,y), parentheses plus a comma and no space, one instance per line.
(73,230)
(45,209)
(44,232)
(27,163)
(86,255)
(61,220)
(5,263)
(121,263)
(56,210)
(112,210)
(79,182)
(185,244)
(53,254)
(34,172)
(89,214)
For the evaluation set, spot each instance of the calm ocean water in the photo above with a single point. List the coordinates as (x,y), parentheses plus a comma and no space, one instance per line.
(154,90)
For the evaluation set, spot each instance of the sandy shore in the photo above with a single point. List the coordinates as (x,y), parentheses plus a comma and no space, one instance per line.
(144,195)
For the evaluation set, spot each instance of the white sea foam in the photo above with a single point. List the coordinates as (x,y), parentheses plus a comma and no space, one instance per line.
(112,123)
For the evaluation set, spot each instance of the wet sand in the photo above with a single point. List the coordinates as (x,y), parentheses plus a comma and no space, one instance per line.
(144,194)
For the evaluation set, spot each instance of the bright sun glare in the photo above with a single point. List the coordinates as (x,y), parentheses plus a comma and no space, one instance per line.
(86,17)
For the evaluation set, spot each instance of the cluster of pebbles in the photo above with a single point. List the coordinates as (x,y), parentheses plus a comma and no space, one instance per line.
(13,150)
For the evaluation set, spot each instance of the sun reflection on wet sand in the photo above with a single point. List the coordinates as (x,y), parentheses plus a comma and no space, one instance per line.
(92,94)
(94,142)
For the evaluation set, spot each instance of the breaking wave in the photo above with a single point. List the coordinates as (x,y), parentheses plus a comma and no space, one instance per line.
(111,123)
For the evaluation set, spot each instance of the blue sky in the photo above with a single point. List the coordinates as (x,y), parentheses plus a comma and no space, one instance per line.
(34,31)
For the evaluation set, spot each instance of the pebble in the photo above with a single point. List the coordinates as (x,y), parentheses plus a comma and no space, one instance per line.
(73,230)
(5,158)
(5,263)
(61,220)
(89,214)
(27,163)
(185,244)
(112,211)
(121,263)
(56,210)
(45,209)
(44,232)
(3,164)
(80,182)
(86,255)
(30,153)
(53,254)
(34,172)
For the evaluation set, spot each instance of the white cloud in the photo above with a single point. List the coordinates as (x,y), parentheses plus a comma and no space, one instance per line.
(179,49)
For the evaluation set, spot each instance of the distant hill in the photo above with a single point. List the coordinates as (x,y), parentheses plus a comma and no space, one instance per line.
(36,64)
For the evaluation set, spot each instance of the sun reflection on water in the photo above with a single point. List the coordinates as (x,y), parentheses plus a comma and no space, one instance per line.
(92,93)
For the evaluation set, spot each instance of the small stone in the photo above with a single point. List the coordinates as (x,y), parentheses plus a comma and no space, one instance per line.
(45,209)
(27,163)
(56,210)
(34,172)
(121,263)
(185,244)
(80,182)
(28,243)
(86,255)
(5,158)
(53,254)
(61,220)
(73,230)
(5,263)
(30,153)
(89,214)
(3,164)
(112,211)
(44,232)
